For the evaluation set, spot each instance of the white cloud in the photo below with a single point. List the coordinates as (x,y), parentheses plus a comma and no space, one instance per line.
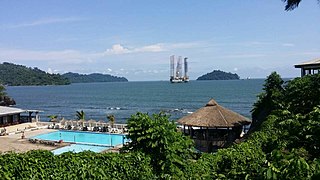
(117,49)
(49,71)
(151,48)
(43,21)
(120,49)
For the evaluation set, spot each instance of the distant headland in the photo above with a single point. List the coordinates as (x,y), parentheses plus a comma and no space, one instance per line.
(219,75)
(19,75)
(95,77)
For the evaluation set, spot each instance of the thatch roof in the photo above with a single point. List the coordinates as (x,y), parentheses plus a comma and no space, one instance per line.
(214,116)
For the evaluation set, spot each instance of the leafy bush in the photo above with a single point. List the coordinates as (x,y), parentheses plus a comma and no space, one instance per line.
(158,138)
(84,165)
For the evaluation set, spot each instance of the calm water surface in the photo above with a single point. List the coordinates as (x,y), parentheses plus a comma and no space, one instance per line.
(126,98)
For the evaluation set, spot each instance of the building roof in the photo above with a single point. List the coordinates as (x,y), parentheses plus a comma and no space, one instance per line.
(4,110)
(314,62)
(214,116)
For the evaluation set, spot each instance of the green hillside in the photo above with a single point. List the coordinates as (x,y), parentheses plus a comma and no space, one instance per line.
(18,75)
(95,77)
(218,75)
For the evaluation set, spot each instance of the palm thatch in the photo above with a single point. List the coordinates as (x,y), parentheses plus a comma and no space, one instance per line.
(81,122)
(214,116)
(101,123)
(54,120)
(92,123)
(63,122)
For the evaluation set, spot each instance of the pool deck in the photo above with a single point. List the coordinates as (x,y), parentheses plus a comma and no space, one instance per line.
(14,143)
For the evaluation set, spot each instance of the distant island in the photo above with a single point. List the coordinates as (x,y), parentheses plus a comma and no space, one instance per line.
(219,75)
(95,77)
(19,75)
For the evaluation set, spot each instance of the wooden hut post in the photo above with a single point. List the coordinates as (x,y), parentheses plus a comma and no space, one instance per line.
(207,139)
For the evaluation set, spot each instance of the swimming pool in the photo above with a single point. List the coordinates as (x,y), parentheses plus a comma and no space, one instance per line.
(79,137)
(79,148)
(91,141)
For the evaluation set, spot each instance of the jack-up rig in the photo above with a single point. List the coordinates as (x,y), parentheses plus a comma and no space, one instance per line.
(177,76)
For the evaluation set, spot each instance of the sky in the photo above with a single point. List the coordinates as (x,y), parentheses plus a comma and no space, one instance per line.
(135,39)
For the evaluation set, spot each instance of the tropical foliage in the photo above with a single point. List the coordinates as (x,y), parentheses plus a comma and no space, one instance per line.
(112,119)
(159,138)
(269,100)
(292,4)
(18,75)
(80,115)
(4,99)
(84,165)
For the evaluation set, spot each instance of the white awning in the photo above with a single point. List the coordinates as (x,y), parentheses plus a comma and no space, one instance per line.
(4,110)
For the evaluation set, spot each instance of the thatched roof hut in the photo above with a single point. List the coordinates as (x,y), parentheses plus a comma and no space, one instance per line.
(213,126)
(214,116)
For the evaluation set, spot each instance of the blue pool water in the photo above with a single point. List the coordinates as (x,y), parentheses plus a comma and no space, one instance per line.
(84,141)
(84,138)
(79,148)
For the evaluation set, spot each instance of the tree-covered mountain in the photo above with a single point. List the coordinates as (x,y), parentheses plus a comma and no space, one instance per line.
(95,77)
(19,75)
(218,75)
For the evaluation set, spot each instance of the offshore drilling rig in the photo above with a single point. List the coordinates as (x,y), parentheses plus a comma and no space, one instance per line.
(176,75)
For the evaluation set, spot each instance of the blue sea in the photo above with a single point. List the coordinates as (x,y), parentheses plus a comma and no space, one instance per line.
(124,99)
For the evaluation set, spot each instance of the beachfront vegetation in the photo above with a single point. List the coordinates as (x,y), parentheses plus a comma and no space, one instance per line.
(285,146)
(218,75)
(269,100)
(18,75)
(84,165)
(4,99)
(81,115)
(95,77)
(112,119)
(158,138)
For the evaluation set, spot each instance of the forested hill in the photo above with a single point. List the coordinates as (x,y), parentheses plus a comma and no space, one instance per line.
(95,77)
(18,75)
(218,75)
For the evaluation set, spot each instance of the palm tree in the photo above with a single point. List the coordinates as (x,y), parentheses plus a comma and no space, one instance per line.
(111,119)
(53,118)
(292,4)
(80,115)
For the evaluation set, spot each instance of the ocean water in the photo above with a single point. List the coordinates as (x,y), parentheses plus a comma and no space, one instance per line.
(123,99)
